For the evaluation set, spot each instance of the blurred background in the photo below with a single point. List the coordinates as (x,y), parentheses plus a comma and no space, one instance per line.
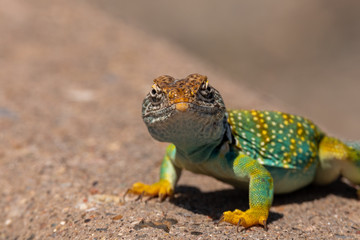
(305,53)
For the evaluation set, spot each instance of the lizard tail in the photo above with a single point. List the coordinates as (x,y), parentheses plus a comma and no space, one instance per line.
(354,152)
(354,157)
(338,158)
(353,144)
(356,147)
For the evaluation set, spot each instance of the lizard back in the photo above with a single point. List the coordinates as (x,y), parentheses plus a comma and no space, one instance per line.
(276,139)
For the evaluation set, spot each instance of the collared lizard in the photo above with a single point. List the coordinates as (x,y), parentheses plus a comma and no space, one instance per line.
(267,151)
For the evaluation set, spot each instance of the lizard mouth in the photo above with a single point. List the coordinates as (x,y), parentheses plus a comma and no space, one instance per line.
(182,111)
(182,107)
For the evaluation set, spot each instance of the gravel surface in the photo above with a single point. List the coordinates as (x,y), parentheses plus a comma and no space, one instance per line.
(72,139)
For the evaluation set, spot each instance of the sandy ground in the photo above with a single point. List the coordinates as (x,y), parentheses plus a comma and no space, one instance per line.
(72,141)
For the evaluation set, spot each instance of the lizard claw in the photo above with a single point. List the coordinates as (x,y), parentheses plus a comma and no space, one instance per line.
(238,225)
(162,197)
(149,198)
(126,193)
(220,220)
(129,191)
(264,223)
(140,197)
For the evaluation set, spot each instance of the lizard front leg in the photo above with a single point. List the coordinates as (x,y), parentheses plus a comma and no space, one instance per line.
(260,193)
(169,174)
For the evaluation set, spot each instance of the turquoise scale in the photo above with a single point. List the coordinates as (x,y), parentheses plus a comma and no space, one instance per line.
(276,139)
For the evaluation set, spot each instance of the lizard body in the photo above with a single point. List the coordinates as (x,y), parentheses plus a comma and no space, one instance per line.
(265,151)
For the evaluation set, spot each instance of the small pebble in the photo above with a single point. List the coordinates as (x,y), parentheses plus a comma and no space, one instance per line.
(81,95)
(117,217)
(196,233)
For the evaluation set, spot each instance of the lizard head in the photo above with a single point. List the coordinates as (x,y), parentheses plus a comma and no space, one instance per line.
(180,110)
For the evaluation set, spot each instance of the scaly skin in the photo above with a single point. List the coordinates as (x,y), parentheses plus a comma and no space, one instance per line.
(264,150)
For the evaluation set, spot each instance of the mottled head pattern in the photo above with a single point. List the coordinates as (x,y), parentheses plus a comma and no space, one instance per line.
(184,111)
(183,90)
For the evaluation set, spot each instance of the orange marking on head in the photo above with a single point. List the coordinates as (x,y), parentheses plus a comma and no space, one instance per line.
(182,107)
(181,90)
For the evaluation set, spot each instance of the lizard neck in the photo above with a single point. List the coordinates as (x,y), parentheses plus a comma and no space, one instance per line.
(195,140)
(205,152)
(198,152)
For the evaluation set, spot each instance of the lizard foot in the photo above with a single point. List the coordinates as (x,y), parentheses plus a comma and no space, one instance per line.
(162,189)
(246,219)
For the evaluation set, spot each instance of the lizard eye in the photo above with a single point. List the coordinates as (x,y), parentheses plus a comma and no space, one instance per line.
(206,93)
(156,95)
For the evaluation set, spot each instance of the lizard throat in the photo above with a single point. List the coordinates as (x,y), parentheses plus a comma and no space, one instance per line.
(188,126)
